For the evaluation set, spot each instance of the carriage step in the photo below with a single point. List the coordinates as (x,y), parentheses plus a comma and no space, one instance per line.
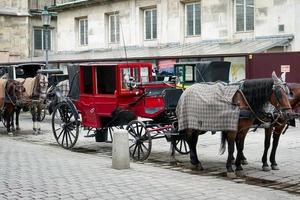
(171,134)
(90,135)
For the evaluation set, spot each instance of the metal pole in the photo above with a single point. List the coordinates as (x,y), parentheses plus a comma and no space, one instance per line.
(46,46)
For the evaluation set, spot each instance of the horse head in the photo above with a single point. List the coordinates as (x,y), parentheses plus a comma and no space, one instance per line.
(42,86)
(279,98)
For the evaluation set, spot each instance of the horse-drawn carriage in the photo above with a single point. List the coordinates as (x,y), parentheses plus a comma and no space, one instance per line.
(106,95)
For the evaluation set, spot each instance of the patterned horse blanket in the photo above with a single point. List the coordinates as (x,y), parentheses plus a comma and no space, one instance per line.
(64,87)
(208,107)
(28,85)
(2,92)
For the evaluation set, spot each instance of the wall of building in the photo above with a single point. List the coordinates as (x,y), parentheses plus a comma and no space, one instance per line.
(14,35)
(217,22)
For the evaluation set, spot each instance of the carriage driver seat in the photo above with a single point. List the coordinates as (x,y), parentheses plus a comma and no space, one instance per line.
(171,97)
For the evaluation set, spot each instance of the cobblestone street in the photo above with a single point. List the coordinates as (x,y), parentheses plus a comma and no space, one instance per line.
(33,166)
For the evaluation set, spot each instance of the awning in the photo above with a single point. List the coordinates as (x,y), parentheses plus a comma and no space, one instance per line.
(200,49)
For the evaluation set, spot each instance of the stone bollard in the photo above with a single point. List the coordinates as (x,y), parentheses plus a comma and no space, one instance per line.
(120,150)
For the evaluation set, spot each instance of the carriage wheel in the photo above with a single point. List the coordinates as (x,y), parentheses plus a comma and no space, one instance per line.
(65,126)
(140,141)
(182,146)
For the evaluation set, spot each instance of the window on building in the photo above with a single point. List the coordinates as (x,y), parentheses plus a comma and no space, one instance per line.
(244,15)
(39,38)
(83,31)
(193,19)
(150,21)
(114,28)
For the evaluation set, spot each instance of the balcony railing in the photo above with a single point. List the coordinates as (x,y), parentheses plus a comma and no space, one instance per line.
(39,4)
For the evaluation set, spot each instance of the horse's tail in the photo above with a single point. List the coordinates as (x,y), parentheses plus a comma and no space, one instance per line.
(223,142)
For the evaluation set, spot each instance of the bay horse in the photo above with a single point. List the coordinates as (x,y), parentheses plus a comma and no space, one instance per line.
(36,95)
(14,92)
(251,97)
(278,129)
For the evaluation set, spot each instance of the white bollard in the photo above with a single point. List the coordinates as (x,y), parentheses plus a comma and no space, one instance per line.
(120,150)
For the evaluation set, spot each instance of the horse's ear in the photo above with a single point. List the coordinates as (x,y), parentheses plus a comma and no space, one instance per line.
(283,76)
(275,78)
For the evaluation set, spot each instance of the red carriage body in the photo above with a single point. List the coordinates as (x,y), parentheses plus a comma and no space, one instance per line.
(103,88)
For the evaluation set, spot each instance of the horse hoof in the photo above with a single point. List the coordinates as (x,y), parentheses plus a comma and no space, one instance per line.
(244,162)
(233,161)
(13,129)
(10,134)
(266,168)
(231,175)
(275,167)
(18,129)
(197,167)
(173,161)
(240,173)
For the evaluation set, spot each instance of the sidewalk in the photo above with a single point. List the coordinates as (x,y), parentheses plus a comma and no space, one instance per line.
(286,179)
(31,171)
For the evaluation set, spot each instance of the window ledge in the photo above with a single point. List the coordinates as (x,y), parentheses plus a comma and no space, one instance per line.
(242,32)
(192,36)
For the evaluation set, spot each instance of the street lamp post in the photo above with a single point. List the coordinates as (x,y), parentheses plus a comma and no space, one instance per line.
(46,19)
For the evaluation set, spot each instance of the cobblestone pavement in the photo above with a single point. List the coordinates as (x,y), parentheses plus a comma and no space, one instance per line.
(47,171)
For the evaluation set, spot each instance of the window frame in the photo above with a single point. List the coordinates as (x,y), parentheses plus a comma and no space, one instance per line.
(194,19)
(245,6)
(117,39)
(42,39)
(151,24)
(85,32)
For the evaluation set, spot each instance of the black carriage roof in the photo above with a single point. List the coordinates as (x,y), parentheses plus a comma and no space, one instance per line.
(30,64)
(110,63)
(50,71)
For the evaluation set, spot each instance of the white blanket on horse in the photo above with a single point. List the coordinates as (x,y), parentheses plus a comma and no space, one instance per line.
(28,85)
(208,107)
(2,92)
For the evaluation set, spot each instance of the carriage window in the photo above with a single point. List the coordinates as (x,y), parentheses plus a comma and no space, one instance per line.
(189,73)
(125,75)
(144,75)
(87,80)
(179,73)
(106,79)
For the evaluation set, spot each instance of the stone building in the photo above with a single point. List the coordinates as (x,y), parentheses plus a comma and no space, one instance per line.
(169,31)
(21,32)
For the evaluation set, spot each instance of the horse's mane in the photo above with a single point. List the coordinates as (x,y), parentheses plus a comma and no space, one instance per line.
(257,92)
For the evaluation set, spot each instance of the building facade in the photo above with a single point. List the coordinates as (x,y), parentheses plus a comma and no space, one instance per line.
(86,25)
(21,33)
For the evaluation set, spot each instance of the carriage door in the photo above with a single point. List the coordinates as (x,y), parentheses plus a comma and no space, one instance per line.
(87,92)
(105,98)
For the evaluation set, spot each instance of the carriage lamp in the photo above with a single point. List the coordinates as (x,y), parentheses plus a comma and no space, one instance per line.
(46,19)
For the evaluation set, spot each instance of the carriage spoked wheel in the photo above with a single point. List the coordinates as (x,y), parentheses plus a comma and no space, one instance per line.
(65,126)
(182,146)
(140,141)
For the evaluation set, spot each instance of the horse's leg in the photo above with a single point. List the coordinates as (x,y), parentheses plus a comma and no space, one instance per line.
(18,110)
(173,161)
(39,111)
(276,137)
(268,134)
(8,112)
(192,139)
(230,137)
(12,120)
(240,147)
(33,113)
